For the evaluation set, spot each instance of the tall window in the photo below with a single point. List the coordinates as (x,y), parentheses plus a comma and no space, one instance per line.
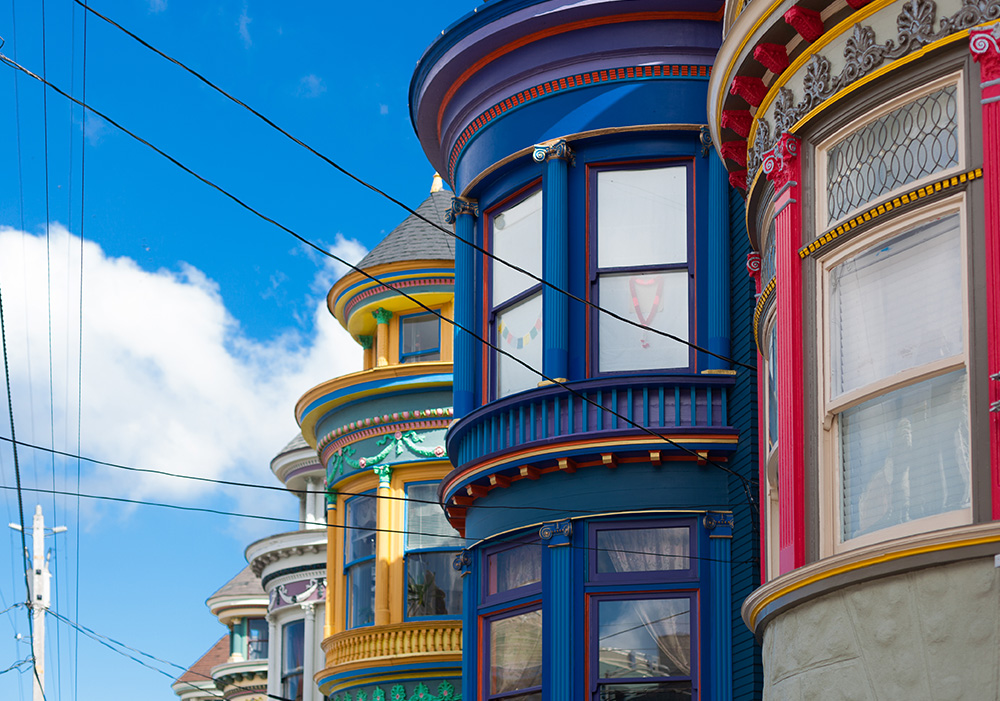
(898,391)
(642,638)
(641,267)
(771,505)
(359,559)
(292,659)
(516,299)
(256,639)
(419,338)
(433,586)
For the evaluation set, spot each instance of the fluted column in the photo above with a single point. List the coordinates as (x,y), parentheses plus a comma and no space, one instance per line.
(309,689)
(463,215)
(311,515)
(273,657)
(382,317)
(782,166)
(559,628)
(555,258)
(384,525)
(718,340)
(985,46)
(720,537)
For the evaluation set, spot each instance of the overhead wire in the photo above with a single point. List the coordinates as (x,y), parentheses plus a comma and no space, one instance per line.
(401,204)
(565,386)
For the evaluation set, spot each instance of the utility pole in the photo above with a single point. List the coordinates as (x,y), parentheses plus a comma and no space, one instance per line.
(39,593)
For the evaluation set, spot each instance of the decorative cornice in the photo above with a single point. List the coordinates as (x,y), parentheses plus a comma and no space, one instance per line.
(396,286)
(265,559)
(340,457)
(460,206)
(576,81)
(863,54)
(385,420)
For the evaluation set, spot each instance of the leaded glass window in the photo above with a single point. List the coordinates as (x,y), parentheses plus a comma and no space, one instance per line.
(900,147)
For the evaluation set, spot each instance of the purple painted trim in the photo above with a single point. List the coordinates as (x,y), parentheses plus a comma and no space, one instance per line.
(651,577)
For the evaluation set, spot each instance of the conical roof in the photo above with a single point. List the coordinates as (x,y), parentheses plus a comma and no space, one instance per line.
(415,239)
(201,671)
(294,444)
(245,583)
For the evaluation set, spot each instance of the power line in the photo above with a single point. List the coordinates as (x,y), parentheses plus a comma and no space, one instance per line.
(367,529)
(401,204)
(582,397)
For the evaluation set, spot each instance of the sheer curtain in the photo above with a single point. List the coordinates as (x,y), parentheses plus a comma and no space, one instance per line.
(643,550)
(516,652)
(645,638)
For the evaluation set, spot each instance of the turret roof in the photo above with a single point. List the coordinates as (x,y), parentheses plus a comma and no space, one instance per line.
(245,583)
(415,239)
(201,671)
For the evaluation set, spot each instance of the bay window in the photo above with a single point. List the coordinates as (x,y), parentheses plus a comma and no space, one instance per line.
(770,422)
(515,656)
(359,559)
(516,299)
(897,397)
(433,586)
(256,639)
(640,267)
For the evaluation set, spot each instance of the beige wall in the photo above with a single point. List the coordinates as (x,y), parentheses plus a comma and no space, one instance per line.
(931,634)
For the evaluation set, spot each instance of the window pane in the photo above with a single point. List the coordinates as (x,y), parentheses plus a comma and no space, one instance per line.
(292,657)
(656,300)
(516,652)
(641,217)
(361,594)
(426,524)
(514,567)
(910,142)
(517,239)
(519,332)
(644,638)
(643,549)
(361,515)
(905,455)
(660,691)
(897,306)
(420,335)
(256,639)
(433,586)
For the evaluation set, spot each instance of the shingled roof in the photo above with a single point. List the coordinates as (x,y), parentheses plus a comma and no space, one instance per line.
(201,671)
(415,239)
(245,583)
(294,444)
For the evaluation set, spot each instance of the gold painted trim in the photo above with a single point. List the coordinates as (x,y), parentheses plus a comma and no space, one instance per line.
(950,539)
(762,301)
(888,206)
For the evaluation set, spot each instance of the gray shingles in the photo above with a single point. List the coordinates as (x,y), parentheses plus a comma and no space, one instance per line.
(415,239)
(246,583)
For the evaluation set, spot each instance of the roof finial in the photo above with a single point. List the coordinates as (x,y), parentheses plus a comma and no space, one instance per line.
(437,185)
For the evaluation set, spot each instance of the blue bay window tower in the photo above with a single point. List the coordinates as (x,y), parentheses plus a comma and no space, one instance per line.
(605,443)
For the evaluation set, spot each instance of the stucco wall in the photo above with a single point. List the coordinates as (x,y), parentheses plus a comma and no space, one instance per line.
(928,634)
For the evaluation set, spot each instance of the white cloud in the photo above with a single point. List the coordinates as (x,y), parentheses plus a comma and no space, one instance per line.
(244,25)
(157,6)
(169,380)
(311,86)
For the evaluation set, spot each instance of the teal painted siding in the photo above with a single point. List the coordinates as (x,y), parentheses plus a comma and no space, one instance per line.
(747,668)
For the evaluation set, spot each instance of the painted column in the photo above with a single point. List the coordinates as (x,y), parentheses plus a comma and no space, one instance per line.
(382,317)
(718,259)
(366,347)
(555,258)
(311,514)
(463,215)
(384,525)
(558,631)
(237,641)
(309,652)
(470,651)
(334,546)
(720,537)
(273,657)
(985,46)
(319,498)
(782,167)
(753,270)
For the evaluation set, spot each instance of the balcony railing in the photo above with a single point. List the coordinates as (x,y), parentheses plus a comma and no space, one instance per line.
(402,639)
(686,402)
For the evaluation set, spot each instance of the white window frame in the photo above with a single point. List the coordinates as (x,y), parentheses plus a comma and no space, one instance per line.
(830,409)
(822,150)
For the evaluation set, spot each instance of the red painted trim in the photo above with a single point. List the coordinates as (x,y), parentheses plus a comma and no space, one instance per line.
(985,49)
(783,168)
(562,29)
(557,84)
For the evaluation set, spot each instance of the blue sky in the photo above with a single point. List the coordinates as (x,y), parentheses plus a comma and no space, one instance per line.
(201,324)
